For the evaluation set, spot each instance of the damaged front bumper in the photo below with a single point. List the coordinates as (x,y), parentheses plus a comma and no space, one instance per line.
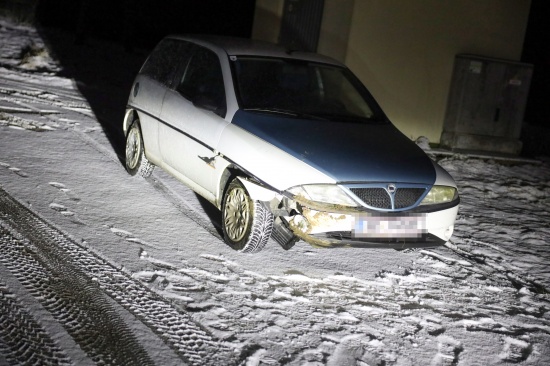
(396,230)
(336,226)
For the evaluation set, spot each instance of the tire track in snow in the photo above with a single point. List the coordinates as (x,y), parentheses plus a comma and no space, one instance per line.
(73,284)
(74,300)
(22,340)
(18,122)
(21,92)
(517,280)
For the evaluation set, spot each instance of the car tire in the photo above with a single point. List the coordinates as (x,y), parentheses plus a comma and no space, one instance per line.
(136,161)
(246,223)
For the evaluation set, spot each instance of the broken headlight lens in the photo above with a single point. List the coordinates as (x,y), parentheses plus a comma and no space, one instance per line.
(324,194)
(440,194)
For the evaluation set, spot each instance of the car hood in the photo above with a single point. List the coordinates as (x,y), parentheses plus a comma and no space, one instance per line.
(345,151)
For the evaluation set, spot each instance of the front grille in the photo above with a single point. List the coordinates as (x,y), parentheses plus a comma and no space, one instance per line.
(380,198)
(406,197)
(374,197)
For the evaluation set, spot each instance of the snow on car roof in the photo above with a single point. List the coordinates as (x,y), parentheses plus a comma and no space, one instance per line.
(235,46)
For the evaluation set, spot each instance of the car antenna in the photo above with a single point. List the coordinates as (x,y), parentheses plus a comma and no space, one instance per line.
(289,51)
(292,47)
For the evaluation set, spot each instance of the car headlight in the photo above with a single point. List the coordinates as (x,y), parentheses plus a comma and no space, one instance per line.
(324,194)
(440,194)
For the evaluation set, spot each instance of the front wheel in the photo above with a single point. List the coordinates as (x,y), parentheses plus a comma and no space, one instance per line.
(136,162)
(246,224)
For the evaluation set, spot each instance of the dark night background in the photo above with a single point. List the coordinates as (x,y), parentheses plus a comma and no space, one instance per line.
(144,22)
(536,51)
(135,26)
(101,44)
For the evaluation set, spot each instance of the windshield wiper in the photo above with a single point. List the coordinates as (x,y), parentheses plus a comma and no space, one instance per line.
(287,113)
(353,118)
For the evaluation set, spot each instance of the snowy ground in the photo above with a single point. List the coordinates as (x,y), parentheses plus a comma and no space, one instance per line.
(78,234)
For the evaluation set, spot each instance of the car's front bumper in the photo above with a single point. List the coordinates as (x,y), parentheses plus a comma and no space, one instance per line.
(358,229)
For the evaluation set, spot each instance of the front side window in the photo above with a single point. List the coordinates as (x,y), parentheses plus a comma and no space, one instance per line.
(202,82)
(303,88)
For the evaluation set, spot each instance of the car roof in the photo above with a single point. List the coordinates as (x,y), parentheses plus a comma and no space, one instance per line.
(235,46)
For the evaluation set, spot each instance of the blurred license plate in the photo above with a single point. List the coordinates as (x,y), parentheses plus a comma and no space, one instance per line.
(389,227)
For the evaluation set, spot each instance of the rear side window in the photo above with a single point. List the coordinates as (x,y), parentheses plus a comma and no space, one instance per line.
(164,61)
(202,81)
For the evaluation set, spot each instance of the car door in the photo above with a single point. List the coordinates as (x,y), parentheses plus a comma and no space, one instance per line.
(193,117)
(147,95)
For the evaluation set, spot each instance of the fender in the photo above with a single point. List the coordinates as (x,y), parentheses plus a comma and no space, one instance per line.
(443,178)
(258,192)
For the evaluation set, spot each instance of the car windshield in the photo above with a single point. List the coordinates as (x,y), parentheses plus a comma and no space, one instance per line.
(302,88)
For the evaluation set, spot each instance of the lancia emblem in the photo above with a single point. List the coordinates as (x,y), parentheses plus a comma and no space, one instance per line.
(392,188)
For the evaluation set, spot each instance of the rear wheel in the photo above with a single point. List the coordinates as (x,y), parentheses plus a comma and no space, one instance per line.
(246,224)
(136,162)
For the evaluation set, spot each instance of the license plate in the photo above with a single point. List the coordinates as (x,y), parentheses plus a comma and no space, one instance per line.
(389,227)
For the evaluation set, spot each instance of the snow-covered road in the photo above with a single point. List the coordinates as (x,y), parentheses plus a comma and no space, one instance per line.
(482,299)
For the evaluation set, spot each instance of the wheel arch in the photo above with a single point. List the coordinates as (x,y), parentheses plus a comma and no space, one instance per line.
(247,224)
(129,117)
(229,173)
(255,190)
(136,161)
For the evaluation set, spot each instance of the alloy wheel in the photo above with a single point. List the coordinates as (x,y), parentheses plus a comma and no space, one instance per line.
(133,148)
(237,214)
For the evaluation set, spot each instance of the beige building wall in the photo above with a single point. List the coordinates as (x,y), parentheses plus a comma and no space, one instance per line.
(267,20)
(403,50)
(335,28)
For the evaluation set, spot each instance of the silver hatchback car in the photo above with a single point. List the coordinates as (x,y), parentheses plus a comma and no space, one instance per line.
(288,145)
